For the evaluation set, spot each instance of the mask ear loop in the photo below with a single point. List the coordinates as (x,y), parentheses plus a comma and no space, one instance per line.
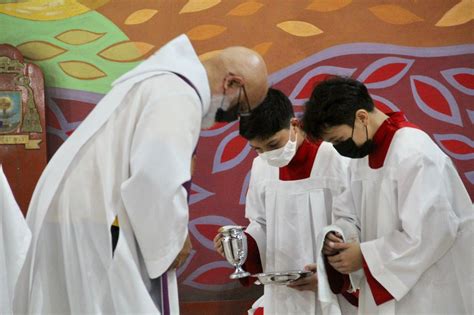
(353,126)
(294,133)
(238,101)
(366,133)
(223,98)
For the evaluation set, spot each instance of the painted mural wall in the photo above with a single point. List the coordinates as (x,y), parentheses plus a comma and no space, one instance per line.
(414,55)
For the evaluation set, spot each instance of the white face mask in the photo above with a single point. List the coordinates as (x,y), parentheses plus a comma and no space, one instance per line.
(282,156)
(210,118)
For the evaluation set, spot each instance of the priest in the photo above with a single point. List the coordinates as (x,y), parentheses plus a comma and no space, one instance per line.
(129,159)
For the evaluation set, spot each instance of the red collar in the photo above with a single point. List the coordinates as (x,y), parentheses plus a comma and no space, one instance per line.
(384,135)
(301,165)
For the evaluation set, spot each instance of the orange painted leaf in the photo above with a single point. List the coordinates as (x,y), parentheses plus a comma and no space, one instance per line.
(328,5)
(206,31)
(262,48)
(198,5)
(461,13)
(140,16)
(299,28)
(246,8)
(394,14)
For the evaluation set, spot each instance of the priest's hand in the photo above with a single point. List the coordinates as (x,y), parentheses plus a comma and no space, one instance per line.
(331,237)
(218,244)
(183,254)
(309,283)
(349,258)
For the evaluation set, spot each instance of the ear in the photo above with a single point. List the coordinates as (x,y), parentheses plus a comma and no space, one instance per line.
(295,122)
(233,81)
(363,116)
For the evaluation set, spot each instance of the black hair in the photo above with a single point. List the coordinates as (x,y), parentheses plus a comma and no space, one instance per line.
(271,116)
(334,102)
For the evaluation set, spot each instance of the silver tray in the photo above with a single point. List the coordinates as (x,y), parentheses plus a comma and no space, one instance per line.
(281,277)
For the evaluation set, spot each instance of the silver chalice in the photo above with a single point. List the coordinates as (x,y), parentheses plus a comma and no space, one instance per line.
(234,243)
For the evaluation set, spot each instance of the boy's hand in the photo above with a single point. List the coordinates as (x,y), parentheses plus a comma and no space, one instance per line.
(349,258)
(218,244)
(331,237)
(309,283)
(183,254)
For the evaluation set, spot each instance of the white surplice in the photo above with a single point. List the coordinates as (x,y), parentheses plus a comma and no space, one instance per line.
(129,158)
(285,218)
(415,220)
(14,241)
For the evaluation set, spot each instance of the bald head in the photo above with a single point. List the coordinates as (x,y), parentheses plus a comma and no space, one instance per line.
(246,65)
(250,65)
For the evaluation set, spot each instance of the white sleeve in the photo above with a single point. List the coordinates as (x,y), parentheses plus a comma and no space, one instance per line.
(255,211)
(331,165)
(344,212)
(160,158)
(344,215)
(428,227)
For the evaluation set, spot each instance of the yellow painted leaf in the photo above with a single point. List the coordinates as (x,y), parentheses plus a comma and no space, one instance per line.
(78,37)
(328,5)
(93,4)
(40,50)
(262,48)
(198,5)
(44,10)
(126,51)
(394,14)
(209,54)
(140,16)
(206,31)
(461,13)
(81,70)
(299,28)
(246,8)
(143,47)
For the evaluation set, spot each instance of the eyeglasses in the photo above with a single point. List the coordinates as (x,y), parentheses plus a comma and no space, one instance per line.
(244,106)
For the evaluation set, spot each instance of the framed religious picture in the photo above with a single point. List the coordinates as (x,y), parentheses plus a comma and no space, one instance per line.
(11,111)
(22,123)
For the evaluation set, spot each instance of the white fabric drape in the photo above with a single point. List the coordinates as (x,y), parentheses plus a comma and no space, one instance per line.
(129,159)
(14,242)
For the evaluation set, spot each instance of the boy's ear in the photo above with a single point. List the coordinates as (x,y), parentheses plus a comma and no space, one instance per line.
(363,116)
(295,122)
